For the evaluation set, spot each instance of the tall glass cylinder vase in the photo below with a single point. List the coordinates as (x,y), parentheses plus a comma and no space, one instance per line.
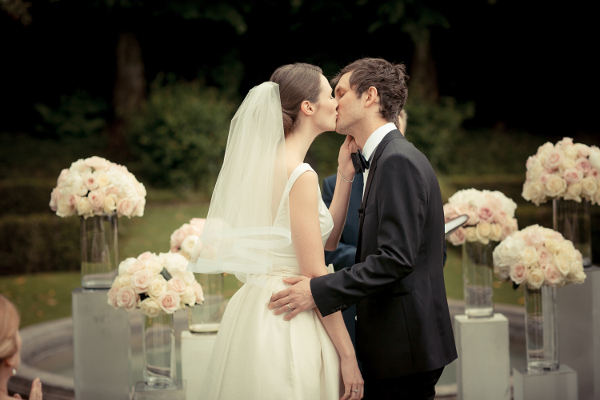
(159,351)
(478,275)
(206,317)
(99,251)
(572,220)
(541,329)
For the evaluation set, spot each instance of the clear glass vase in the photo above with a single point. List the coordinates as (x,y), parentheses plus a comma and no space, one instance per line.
(99,251)
(541,329)
(572,220)
(206,318)
(158,345)
(478,275)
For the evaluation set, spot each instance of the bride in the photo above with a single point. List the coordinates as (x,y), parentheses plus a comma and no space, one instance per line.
(267,221)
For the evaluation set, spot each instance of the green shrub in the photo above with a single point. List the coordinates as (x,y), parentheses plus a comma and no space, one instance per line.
(436,128)
(23,197)
(179,138)
(38,243)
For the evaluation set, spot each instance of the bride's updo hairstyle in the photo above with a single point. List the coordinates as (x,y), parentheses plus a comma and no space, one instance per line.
(9,325)
(297,82)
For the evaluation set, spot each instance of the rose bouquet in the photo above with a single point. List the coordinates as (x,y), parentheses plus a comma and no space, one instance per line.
(184,239)
(491,216)
(95,186)
(155,284)
(538,256)
(566,170)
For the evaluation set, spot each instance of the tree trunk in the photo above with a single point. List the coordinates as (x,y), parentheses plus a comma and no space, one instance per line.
(129,90)
(423,77)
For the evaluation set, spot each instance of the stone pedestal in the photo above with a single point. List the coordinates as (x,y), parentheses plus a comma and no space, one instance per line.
(143,392)
(555,385)
(195,355)
(578,309)
(483,364)
(101,346)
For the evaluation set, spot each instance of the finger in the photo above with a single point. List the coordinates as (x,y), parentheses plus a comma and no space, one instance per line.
(346,392)
(361,392)
(281,310)
(18,396)
(292,314)
(279,303)
(293,281)
(275,297)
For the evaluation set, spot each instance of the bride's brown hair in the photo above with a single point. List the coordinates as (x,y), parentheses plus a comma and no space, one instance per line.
(9,325)
(297,82)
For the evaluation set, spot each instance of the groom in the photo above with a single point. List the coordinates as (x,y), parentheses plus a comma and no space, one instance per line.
(403,333)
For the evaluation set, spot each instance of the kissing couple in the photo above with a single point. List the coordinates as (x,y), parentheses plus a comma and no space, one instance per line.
(268,225)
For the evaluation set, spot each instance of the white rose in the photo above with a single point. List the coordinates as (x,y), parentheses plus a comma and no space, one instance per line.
(533,191)
(571,152)
(496,232)
(138,211)
(127,298)
(96,199)
(555,186)
(519,273)
(552,276)
(566,164)
(64,209)
(177,285)
(110,204)
(97,163)
(103,180)
(553,159)
(530,256)
(595,158)
(124,280)
(125,264)
(84,208)
(188,245)
(596,199)
(125,207)
(199,293)
(153,264)
(553,245)
(79,166)
(157,287)
(589,186)
(169,301)
(536,170)
(112,297)
(536,278)
(563,263)
(482,231)
(90,181)
(470,234)
(150,308)
(189,297)
(573,192)
(578,277)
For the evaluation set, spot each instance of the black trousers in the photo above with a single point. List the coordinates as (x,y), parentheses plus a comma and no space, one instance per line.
(419,386)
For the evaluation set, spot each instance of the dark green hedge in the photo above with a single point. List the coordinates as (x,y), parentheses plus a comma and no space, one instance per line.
(38,243)
(25,198)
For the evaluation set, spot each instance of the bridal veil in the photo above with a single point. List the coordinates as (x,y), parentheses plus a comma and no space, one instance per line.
(240,233)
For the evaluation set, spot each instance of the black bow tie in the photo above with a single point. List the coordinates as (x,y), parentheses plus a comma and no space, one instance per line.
(361,164)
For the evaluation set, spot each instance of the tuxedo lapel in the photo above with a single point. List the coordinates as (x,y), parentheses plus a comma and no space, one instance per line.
(372,170)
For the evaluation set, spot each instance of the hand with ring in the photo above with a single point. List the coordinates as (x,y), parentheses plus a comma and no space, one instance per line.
(288,306)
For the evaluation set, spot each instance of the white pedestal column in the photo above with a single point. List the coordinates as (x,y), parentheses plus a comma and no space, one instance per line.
(483,364)
(195,355)
(555,385)
(102,347)
(578,308)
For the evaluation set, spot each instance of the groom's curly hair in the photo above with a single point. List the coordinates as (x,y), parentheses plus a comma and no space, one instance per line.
(389,79)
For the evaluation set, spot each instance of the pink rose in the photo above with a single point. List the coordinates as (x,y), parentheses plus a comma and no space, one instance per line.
(199,293)
(535,238)
(198,222)
(458,237)
(554,159)
(572,175)
(125,207)
(594,173)
(544,176)
(519,273)
(54,197)
(473,216)
(450,212)
(141,279)
(177,285)
(486,213)
(583,164)
(500,216)
(552,275)
(90,181)
(530,161)
(96,198)
(112,190)
(169,301)
(584,150)
(145,256)
(127,298)
(135,266)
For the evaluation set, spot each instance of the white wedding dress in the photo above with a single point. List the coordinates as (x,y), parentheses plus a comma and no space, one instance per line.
(258,355)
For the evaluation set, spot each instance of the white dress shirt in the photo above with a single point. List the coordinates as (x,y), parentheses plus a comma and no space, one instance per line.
(371,145)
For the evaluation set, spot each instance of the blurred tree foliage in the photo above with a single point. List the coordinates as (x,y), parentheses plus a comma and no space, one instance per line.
(178,138)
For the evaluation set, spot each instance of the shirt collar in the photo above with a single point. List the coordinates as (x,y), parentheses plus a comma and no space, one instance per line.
(376,138)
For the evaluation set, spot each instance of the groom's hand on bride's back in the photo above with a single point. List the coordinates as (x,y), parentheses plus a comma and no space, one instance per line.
(296,298)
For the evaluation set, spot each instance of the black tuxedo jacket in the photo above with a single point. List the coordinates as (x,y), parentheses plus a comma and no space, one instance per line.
(403,323)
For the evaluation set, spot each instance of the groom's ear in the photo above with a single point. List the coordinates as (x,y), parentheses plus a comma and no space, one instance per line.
(372,96)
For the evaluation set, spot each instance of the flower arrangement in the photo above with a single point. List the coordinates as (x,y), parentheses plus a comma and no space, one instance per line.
(95,186)
(184,239)
(538,256)
(491,216)
(566,170)
(155,284)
